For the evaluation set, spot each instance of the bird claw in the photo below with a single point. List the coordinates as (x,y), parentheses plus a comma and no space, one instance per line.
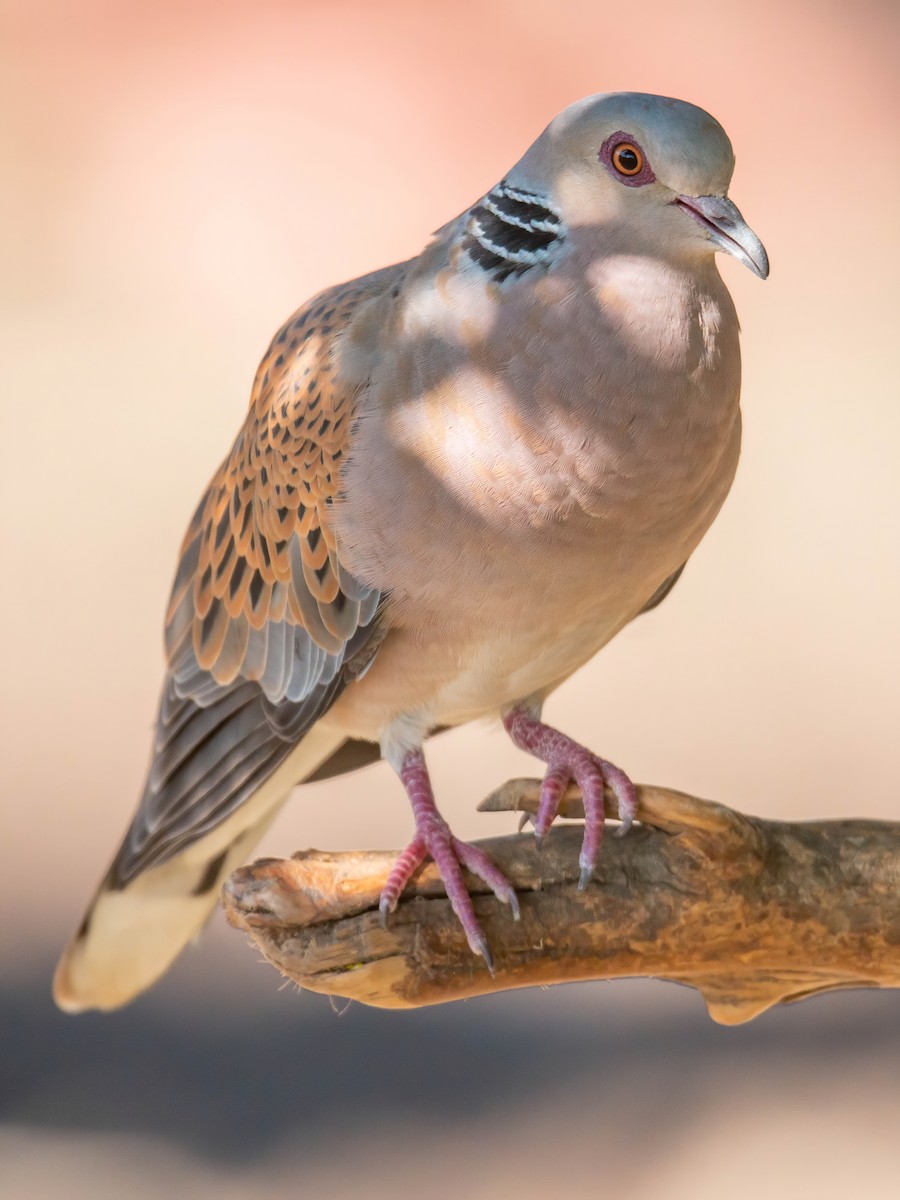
(481,947)
(568,762)
(434,840)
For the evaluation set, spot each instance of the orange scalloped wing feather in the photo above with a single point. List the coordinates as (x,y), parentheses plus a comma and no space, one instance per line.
(260,593)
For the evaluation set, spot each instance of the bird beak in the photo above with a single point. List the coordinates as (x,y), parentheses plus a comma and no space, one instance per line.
(727,228)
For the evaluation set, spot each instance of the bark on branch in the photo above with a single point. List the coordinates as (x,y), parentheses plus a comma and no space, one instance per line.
(749,912)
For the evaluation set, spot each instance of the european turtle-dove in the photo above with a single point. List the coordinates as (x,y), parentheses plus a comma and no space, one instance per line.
(459,477)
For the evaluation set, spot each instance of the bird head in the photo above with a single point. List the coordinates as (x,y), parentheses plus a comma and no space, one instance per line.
(657,167)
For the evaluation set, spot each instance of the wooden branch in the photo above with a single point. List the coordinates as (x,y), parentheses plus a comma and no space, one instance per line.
(750,912)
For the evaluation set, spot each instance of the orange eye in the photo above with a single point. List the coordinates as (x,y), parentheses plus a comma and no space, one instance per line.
(627,159)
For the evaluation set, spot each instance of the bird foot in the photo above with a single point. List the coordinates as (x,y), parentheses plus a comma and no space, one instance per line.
(433,839)
(568,762)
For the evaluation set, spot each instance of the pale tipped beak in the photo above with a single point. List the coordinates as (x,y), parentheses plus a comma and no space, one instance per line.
(727,228)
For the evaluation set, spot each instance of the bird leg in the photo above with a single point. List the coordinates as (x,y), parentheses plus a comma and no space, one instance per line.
(567,761)
(434,839)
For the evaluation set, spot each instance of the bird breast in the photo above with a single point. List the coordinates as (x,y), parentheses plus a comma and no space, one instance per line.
(537,460)
(588,422)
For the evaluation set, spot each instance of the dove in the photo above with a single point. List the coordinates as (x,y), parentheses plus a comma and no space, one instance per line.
(459,477)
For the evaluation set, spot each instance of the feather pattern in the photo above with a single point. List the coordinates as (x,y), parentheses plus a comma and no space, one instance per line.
(260,594)
(512,230)
(209,759)
(265,625)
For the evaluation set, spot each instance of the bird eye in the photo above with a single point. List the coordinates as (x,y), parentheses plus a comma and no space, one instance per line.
(627,159)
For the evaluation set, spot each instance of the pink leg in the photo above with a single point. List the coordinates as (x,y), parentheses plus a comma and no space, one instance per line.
(566,761)
(433,838)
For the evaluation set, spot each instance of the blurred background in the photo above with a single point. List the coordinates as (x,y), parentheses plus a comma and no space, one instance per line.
(179,176)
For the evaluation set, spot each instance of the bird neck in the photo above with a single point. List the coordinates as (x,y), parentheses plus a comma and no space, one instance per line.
(512,231)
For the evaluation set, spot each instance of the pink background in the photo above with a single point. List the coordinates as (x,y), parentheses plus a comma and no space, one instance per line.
(184,175)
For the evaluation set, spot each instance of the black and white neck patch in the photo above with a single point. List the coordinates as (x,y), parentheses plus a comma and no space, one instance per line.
(512,230)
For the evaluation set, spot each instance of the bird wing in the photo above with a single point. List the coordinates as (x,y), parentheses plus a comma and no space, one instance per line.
(663,590)
(265,627)
(260,593)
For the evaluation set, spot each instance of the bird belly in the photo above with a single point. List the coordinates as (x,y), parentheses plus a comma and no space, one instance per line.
(458,672)
(510,668)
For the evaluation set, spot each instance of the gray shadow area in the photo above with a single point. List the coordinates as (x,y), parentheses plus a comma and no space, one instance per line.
(234,1084)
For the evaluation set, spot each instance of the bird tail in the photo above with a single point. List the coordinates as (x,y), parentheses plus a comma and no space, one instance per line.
(131,934)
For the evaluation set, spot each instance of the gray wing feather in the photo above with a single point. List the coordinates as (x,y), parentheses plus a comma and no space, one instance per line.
(663,590)
(209,758)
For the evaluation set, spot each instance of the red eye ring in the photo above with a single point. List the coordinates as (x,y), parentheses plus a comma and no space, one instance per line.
(628,159)
(623,157)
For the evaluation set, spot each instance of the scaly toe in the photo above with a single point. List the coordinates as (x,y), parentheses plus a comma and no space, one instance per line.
(479,864)
(450,855)
(433,838)
(590,779)
(553,785)
(408,862)
(625,793)
(566,760)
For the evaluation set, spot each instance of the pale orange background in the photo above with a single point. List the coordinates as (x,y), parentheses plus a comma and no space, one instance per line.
(184,175)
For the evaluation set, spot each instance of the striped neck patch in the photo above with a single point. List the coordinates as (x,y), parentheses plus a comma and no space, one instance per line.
(512,230)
